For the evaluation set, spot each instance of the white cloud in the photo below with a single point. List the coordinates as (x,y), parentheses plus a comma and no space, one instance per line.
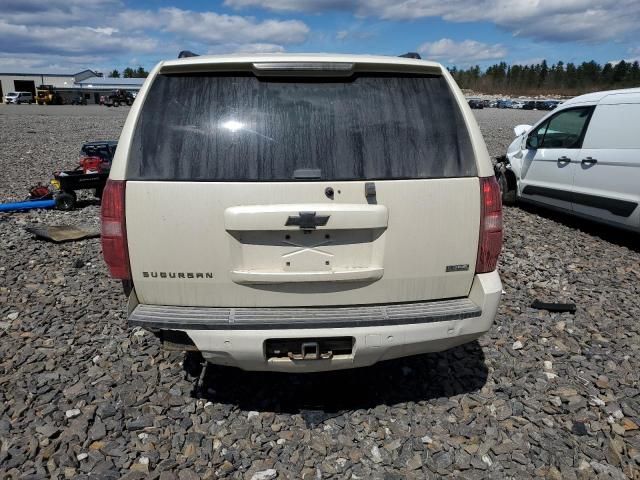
(32,62)
(296,5)
(103,28)
(259,48)
(465,52)
(357,33)
(73,40)
(566,20)
(57,12)
(214,27)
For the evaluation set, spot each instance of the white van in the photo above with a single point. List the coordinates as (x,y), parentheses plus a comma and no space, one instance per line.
(304,212)
(583,158)
(18,97)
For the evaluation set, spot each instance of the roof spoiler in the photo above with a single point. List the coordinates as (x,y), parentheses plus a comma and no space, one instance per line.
(411,55)
(187,54)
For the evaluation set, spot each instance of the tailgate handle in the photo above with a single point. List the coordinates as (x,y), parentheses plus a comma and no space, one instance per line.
(309,216)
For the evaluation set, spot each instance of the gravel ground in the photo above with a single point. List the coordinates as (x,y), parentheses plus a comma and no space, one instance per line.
(542,395)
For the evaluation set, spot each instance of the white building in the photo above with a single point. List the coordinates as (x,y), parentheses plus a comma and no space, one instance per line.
(87,82)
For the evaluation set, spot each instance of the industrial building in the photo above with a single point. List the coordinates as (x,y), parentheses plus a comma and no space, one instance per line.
(86,84)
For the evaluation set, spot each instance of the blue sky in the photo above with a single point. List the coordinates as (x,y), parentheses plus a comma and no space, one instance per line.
(70,35)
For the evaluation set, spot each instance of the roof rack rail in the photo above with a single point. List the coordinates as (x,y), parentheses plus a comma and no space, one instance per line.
(411,55)
(187,54)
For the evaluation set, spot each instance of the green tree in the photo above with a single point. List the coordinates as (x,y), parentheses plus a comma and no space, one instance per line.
(634,74)
(543,74)
(141,73)
(114,74)
(607,74)
(620,72)
(569,79)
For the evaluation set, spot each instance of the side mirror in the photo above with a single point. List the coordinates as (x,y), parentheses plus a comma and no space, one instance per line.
(520,129)
(533,142)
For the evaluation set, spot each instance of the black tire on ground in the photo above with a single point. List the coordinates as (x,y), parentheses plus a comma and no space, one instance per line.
(507,188)
(65,201)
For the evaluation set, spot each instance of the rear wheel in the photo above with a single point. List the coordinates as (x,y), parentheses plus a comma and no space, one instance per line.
(65,201)
(507,188)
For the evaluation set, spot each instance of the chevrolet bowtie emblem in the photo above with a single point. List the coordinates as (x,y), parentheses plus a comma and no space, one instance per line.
(307,220)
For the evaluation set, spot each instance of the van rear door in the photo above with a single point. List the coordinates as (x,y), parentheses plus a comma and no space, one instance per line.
(291,190)
(607,176)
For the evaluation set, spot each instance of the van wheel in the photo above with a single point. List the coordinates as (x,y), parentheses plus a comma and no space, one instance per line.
(507,188)
(65,201)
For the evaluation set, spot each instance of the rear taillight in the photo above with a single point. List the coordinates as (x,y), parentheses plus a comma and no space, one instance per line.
(490,242)
(114,232)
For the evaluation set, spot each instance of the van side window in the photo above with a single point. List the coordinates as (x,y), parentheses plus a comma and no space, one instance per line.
(564,130)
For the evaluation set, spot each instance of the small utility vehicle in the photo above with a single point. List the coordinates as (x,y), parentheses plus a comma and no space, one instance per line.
(91,173)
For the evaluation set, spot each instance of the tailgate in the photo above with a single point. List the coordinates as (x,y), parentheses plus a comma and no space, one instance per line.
(273,244)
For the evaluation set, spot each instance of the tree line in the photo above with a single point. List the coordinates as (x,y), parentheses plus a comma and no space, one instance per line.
(129,73)
(540,78)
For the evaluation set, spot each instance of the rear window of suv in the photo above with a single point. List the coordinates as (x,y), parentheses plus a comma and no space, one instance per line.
(240,127)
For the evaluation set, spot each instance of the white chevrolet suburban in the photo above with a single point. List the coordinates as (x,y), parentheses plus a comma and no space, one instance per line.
(304,212)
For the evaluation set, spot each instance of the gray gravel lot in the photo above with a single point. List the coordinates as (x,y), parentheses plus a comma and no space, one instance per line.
(81,396)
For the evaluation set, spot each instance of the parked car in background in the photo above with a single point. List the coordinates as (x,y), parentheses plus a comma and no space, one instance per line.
(505,103)
(552,104)
(583,159)
(476,103)
(118,98)
(529,105)
(79,100)
(517,104)
(343,226)
(18,97)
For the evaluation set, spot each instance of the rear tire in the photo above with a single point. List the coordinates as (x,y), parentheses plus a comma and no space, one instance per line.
(507,189)
(65,201)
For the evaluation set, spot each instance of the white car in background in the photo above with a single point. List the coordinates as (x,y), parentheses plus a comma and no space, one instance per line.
(18,97)
(582,158)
